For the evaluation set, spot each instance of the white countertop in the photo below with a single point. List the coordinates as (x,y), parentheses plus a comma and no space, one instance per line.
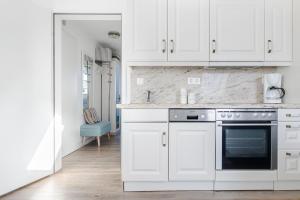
(215,105)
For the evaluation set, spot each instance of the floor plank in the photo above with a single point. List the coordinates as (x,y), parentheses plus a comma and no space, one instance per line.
(94,174)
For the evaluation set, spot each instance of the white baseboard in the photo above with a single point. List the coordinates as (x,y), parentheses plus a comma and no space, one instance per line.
(80,145)
(136,186)
(244,185)
(287,185)
(167,186)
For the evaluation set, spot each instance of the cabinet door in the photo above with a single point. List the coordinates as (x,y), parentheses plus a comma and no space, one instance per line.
(289,115)
(289,165)
(237,30)
(289,135)
(188,30)
(192,151)
(278,39)
(145,25)
(145,151)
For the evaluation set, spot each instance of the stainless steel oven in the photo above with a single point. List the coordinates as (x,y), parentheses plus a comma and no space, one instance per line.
(246,139)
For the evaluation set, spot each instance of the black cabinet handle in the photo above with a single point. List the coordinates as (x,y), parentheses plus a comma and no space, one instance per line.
(192,117)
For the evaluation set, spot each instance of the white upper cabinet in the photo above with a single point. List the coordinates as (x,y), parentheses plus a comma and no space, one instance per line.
(278,29)
(145,24)
(237,30)
(209,32)
(192,151)
(188,30)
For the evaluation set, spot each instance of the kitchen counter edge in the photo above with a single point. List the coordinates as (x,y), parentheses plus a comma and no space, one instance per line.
(212,106)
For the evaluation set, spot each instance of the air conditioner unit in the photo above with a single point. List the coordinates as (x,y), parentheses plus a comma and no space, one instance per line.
(103,55)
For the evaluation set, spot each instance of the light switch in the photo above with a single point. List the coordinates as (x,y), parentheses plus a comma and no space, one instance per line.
(194,80)
(140,81)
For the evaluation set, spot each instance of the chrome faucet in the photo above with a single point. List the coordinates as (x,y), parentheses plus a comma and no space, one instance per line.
(148,96)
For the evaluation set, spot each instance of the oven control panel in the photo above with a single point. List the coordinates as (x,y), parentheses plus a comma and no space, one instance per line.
(246,115)
(192,115)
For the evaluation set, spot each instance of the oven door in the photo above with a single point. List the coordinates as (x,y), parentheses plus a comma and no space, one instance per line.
(246,145)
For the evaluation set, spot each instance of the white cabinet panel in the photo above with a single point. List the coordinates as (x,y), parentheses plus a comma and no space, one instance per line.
(289,165)
(192,151)
(145,25)
(237,30)
(289,115)
(278,29)
(145,151)
(188,30)
(145,115)
(289,135)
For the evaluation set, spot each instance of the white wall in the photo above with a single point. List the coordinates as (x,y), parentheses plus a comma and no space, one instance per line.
(26,145)
(74,42)
(292,74)
(26,117)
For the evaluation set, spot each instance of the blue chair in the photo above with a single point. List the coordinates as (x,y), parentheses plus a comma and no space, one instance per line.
(95,130)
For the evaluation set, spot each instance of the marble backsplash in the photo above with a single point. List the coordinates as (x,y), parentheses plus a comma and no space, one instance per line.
(217,85)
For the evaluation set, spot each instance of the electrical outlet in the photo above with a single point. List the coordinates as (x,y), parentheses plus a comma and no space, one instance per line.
(194,80)
(140,81)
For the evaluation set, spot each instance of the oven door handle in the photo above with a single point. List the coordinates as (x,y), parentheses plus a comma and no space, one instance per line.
(247,124)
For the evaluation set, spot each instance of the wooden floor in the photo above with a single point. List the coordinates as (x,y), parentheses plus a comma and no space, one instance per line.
(90,174)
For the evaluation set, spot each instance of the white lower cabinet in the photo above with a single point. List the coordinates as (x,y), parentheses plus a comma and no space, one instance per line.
(158,155)
(289,135)
(191,151)
(145,151)
(289,148)
(289,165)
(289,115)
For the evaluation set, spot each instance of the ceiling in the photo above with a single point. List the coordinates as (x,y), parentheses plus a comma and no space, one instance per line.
(98,30)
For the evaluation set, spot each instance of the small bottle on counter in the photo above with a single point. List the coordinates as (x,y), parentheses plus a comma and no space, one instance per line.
(183,96)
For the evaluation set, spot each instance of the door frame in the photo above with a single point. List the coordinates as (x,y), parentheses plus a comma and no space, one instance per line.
(57,20)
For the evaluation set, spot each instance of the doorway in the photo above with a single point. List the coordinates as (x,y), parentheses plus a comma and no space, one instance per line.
(87,74)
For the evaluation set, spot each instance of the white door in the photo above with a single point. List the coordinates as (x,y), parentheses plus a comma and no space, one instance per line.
(192,151)
(145,27)
(237,30)
(145,151)
(188,30)
(289,135)
(289,165)
(278,29)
